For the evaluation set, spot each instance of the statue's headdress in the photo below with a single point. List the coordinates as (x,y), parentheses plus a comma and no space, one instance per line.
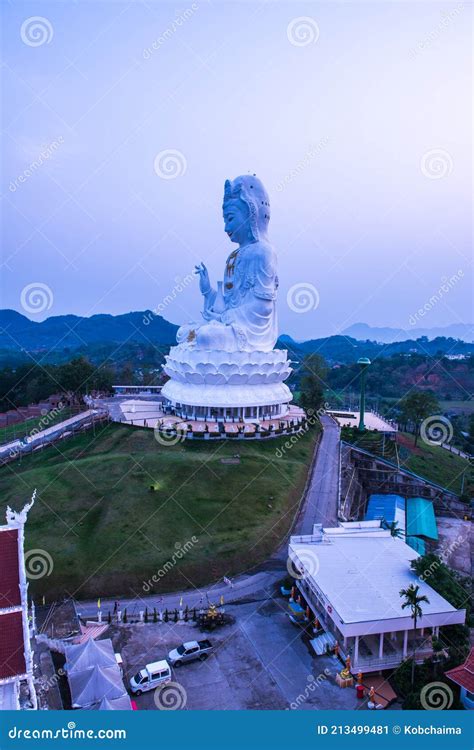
(251,191)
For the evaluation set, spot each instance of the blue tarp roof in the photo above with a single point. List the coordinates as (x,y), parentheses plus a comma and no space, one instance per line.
(384,506)
(416,543)
(421,519)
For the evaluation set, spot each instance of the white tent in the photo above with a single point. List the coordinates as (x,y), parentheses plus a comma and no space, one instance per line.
(116,704)
(94,684)
(91,653)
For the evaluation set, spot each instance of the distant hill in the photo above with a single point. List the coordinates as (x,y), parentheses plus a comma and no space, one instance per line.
(134,336)
(364,332)
(18,332)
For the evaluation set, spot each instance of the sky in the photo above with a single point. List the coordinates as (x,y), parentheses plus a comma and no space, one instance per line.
(122,120)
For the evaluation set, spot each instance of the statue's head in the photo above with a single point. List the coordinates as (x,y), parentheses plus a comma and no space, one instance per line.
(246,209)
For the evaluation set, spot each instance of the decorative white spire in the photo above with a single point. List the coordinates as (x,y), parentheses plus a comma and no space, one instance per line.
(14,517)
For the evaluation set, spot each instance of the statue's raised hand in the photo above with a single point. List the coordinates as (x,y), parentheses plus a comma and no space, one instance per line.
(204,282)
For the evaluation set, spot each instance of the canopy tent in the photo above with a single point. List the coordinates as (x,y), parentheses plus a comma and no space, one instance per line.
(9,696)
(91,653)
(94,684)
(116,704)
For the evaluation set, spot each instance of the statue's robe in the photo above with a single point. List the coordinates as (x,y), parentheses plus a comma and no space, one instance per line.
(246,308)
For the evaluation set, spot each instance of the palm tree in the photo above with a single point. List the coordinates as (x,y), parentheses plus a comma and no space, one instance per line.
(392,527)
(413,601)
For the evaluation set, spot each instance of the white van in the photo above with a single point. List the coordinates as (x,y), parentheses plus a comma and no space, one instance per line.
(153,675)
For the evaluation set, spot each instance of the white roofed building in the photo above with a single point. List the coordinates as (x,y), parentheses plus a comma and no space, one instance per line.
(351,577)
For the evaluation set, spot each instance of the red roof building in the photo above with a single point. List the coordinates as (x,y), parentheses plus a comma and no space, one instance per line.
(16,659)
(464,674)
(9,569)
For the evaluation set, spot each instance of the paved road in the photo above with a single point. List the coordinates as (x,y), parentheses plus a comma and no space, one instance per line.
(320,506)
(322,497)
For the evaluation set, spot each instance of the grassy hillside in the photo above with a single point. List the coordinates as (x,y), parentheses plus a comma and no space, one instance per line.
(430,461)
(107,532)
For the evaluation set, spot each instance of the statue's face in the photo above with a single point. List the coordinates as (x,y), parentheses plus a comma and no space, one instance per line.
(236,221)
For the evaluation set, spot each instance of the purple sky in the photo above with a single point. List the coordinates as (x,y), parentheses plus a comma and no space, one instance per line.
(357,119)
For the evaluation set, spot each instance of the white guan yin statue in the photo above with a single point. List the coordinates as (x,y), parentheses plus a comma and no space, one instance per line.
(225,366)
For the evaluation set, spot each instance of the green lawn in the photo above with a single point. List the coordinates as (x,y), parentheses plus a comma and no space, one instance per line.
(107,532)
(440,466)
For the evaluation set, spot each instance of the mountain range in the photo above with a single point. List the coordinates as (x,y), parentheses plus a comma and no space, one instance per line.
(64,336)
(364,332)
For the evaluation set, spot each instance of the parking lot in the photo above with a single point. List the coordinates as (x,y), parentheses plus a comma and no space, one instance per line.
(261,661)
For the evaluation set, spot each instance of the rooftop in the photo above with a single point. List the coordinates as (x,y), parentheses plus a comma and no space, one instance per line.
(372,421)
(360,569)
(9,569)
(12,657)
(464,674)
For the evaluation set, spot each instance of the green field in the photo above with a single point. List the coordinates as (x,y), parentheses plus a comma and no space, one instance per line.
(107,532)
(440,466)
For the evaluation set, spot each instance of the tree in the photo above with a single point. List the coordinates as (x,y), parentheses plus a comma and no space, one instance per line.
(393,527)
(313,375)
(76,376)
(413,601)
(416,407)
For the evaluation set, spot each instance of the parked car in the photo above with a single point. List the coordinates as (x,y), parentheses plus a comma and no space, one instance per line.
(189,652)
(150,677)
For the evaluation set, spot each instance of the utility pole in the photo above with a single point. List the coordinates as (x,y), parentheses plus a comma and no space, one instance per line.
(363,363)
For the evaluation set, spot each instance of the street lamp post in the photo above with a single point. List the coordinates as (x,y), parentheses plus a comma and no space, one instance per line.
(363,363)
